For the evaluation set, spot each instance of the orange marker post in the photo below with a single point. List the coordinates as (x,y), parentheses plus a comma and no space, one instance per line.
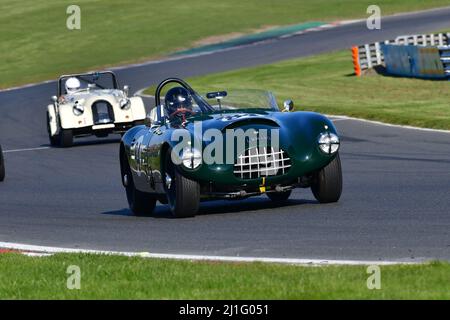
(355,57)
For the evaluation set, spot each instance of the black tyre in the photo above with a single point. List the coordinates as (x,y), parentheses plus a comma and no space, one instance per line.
(327,182)
(54,141)
(65,138)
(279,196)
(2,165)
(183,194)
(140,203)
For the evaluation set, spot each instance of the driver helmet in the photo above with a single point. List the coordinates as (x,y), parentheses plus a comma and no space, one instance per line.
(177,98)
(72,85)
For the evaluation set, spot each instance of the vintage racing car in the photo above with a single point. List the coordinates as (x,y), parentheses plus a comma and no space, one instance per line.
(157,165)
(91,104)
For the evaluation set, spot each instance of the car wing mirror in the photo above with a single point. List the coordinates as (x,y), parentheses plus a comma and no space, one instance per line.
(55,99)
(216,95)
(126,90)
(288,106)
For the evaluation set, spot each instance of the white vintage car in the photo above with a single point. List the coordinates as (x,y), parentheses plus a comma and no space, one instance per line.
(91,104)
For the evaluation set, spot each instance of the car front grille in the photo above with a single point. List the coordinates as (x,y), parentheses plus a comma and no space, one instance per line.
(261,162)
(102,112)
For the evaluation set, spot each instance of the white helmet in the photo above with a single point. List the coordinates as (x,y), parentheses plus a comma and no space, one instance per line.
(72,85)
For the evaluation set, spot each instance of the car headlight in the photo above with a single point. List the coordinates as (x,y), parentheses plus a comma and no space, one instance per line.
(328,143)
(191,158)
(78,109)
(125,104)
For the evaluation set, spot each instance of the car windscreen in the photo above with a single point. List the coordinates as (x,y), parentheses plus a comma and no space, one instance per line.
(94,81)
(244,99)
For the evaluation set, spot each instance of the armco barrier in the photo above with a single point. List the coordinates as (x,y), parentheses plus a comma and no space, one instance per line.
(370,55)
(413,61)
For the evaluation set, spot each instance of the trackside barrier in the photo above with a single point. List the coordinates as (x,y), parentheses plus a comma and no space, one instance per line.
(413,61)
(371,55)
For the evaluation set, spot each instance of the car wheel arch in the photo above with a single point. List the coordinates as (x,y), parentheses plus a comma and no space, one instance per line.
(163,154)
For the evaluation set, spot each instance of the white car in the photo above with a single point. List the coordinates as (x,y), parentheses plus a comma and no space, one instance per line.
(91,104)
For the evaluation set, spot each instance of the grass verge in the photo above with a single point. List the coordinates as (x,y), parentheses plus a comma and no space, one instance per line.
(325,84)
(115,277)
(36,45)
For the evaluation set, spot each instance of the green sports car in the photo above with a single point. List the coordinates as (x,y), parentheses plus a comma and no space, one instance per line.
(226,145)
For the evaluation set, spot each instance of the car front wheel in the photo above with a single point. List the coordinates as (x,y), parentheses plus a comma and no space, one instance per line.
(327,182)
(140,203)
(65,138)
(54,141)
(183,194)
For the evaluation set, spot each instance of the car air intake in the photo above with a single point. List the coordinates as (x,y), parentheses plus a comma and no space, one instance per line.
(102,112)
(261,162)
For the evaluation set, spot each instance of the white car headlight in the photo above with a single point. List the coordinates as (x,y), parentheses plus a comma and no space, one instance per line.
(78,108)
(328,143)
(191,158)
(125,104)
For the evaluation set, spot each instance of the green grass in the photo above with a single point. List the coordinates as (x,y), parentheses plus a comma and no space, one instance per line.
(326,84)
(112,277)
(35,44)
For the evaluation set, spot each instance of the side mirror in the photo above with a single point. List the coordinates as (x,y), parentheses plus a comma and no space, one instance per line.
(126,90)
(55,99)
(288,106)
(216,95)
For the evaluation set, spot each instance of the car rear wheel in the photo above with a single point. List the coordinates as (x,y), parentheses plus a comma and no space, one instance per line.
(65,138)
(183,194)
(140,203)
(327,182)
(279,196)
(2,165)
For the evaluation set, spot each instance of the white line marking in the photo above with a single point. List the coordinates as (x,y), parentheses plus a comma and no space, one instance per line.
(336,120)
(26,149)
(338,117)
(36,254)
(309,262)
(29,85)
(141,93)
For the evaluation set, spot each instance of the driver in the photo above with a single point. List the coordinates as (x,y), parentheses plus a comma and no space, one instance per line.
(72,85)
(178,102)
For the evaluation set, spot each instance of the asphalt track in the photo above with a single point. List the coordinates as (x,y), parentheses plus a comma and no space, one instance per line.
(395,203)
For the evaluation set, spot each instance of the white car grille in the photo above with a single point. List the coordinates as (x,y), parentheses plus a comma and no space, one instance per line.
(261,162)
